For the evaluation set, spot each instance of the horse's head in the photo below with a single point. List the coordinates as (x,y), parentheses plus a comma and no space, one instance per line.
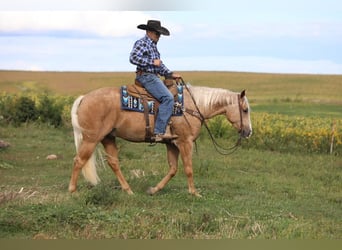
(240,116)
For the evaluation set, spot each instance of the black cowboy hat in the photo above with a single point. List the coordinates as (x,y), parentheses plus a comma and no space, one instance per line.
(154,25)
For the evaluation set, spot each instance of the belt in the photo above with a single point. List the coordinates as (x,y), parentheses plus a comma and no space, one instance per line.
(140,72)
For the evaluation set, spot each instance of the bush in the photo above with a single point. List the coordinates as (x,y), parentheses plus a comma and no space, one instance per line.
(49,112)
(18,109)
(7,108)
(25,110)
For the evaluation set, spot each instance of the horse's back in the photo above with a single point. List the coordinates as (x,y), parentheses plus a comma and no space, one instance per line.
(104,92)
(102,96)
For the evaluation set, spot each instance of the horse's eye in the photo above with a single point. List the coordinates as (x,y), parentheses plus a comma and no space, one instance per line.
(245,110)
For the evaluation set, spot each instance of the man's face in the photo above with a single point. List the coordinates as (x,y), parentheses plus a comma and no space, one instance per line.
(154,35)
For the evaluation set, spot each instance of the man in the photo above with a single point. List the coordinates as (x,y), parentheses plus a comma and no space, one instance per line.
(146,57)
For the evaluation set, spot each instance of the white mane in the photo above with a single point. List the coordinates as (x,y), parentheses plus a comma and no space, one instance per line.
(206,97)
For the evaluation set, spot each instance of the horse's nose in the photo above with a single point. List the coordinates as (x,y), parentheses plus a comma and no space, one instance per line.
(246,133)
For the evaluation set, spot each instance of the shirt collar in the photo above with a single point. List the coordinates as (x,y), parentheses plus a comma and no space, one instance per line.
(149,40)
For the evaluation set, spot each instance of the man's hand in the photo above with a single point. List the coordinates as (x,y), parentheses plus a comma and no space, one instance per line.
(175,76)
(157,62)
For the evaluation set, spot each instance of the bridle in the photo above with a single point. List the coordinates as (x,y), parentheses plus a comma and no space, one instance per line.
(240,112)
(197,113)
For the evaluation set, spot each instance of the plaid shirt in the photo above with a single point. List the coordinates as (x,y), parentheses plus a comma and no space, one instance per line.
(143,54)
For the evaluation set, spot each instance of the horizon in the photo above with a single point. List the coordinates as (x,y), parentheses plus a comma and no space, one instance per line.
(184,71)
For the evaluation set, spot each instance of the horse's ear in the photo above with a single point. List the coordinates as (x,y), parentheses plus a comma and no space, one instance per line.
(243,93)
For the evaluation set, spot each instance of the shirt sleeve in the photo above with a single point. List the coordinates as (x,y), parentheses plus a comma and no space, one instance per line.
(164,71)
(139,55)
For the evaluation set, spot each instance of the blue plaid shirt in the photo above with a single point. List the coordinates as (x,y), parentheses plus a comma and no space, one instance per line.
(143,53)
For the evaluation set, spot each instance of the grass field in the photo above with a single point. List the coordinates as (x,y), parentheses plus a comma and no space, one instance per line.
(251,194)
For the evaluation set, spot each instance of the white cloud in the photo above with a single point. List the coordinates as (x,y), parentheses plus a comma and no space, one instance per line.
(101,23)
(118,5)
(47,38)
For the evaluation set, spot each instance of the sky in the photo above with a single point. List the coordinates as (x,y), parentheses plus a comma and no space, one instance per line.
(293,36)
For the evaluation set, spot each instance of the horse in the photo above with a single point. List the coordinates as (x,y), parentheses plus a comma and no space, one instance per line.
(98,117)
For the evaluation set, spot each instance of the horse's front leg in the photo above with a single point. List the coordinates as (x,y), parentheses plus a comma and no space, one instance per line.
(186,154)
(172,157)
(113,161)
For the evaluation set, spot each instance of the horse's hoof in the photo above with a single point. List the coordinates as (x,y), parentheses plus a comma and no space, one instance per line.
(72,188)
(130,192)
(151,191)
(197,195)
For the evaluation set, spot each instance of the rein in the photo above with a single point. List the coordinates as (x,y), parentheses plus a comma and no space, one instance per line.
(197,113)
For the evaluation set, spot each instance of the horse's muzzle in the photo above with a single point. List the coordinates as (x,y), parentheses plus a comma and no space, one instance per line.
(245,133)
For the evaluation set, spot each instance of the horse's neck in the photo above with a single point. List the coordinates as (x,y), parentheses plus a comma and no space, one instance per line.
(213,101)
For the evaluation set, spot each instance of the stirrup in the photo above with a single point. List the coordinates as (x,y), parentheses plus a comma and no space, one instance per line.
(164,137)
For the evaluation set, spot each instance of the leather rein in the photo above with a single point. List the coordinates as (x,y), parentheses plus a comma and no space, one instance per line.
(197,113)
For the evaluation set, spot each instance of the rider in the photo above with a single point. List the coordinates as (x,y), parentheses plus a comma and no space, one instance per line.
(146,57)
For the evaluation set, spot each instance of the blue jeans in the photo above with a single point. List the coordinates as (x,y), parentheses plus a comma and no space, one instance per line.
(157,88)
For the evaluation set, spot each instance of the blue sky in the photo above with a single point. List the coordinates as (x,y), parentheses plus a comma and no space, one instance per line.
(293,36)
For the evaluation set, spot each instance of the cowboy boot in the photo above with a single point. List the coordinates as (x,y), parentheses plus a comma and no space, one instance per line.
(167,136)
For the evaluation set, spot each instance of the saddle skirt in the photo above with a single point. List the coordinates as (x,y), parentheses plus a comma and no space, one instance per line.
(134,98)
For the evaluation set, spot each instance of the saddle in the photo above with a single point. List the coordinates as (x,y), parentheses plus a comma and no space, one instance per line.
(138,91)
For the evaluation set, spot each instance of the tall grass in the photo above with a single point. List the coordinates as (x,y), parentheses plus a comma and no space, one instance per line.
(288,134)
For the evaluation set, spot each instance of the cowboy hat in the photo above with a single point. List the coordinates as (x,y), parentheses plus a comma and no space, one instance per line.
(154,25)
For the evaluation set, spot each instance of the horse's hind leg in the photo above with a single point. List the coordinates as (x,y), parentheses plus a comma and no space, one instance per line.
(113,161)
(84,153)
(172,157)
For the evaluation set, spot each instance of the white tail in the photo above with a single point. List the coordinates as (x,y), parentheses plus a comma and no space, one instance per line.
(89,169)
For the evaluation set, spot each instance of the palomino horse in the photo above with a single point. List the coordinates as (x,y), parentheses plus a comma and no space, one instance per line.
(98,117)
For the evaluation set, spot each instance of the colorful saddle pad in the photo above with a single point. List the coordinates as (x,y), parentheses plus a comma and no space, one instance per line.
(133,103)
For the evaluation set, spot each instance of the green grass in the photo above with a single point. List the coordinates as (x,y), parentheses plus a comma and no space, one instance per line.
(250,194)
(253,193)
(329,111)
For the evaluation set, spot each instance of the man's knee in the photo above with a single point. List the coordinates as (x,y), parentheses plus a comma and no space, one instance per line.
(168,99)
